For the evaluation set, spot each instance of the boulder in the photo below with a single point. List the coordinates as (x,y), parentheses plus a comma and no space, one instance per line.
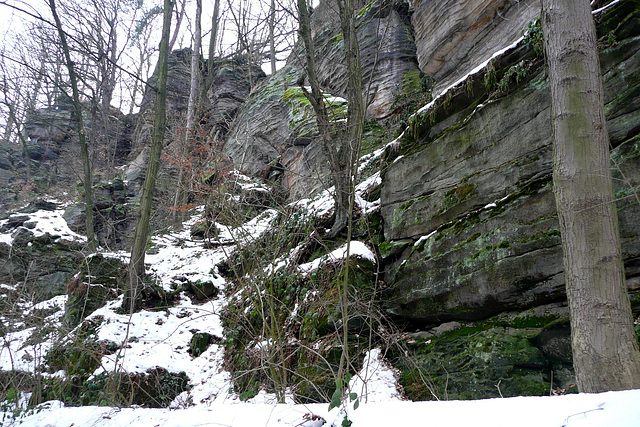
(114,201)
(474,363)
(268,136)
(100,280)
(44,262)
(200,342)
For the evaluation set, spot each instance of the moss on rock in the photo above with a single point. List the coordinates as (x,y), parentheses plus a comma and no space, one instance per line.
(482,364)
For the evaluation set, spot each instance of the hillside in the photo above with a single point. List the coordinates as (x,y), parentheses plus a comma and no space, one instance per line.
(454,287)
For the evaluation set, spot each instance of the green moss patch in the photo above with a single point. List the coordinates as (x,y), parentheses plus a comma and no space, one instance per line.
(472,364)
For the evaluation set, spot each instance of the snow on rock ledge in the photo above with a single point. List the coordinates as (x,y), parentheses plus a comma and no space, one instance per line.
(357,249)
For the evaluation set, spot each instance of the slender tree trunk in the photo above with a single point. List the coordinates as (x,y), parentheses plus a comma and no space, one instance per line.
(194,92)
(334,151)
(242,27)
(213,40)
(272,41)
(195,73)
(348,153)
(109,67)
(179,17)
(8,128)
(605,348)
(136,266)
(84,152)
(23,141)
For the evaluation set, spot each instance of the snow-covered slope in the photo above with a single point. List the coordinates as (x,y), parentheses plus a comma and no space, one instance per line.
(150,339)
(619,409)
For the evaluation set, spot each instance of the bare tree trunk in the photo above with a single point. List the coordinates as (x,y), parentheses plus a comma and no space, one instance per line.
(213,40)
(194,92)
(195,73)
(179,17)
(348,154)
(22,139)
(84,152)
(343,153)
(322,118)
(8,127)
(272,41)
(136,266)
(605,347)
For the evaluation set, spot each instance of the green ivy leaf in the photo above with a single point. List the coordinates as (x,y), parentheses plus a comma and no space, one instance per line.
(336,399)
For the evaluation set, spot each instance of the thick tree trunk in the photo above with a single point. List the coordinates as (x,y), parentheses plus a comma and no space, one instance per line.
(77,107)
(132,294)
(605,348)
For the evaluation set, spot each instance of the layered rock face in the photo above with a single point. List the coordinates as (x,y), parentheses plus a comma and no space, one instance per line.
(469,208)
(178,84)
(44,260)
(387,51)
(453,36)
(275,130)
(264,139)
(51,163)
(230,89)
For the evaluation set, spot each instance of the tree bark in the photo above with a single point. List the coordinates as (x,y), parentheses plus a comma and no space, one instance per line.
(132,295)
(191,106)
(272,41)
(213,40)
(77,107)
(338,147)
(348,152)
(195,73)
(605,347)
(179,17)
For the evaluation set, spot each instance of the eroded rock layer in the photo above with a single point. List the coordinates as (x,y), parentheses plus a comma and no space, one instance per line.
(470,206)
(453,36)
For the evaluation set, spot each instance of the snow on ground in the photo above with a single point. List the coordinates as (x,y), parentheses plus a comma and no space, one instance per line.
(613,409)
(177,255)
(53,223)
(320,206)
(18,350)
(155,338)
(247,183)
(376,382)
(161,338)
(44,222)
